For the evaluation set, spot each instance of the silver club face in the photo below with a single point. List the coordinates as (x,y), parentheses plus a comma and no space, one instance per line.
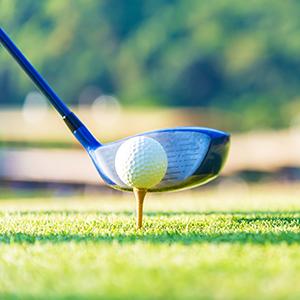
(187,149)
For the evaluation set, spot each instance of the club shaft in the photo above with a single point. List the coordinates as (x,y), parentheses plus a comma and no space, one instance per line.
(72,121)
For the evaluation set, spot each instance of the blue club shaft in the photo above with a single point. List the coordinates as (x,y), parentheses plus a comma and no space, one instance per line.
(72,121)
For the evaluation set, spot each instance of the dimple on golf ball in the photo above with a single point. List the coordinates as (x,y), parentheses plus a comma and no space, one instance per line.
(141,162)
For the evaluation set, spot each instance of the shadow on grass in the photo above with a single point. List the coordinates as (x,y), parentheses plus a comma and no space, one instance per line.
(287,237)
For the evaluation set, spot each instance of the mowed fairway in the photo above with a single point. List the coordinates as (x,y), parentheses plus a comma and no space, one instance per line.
(233,242)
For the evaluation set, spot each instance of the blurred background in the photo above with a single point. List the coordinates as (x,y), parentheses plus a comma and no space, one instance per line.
(131,66)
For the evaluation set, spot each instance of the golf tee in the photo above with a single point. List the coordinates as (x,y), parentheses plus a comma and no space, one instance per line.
(139,198)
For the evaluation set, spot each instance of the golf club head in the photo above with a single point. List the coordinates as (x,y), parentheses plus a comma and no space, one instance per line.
(195,156)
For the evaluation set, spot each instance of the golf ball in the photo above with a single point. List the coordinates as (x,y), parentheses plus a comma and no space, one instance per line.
(141,162)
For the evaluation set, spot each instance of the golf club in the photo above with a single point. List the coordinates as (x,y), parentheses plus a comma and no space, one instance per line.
(195,155)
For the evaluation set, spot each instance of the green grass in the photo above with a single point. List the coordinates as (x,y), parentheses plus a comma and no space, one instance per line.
(230,243)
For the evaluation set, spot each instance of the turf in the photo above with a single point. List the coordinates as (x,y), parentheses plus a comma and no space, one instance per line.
(233,243)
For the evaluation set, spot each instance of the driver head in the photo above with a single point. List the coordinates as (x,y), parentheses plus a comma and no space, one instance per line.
(195,156)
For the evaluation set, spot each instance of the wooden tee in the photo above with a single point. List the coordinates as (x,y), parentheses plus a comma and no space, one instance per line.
(139,198)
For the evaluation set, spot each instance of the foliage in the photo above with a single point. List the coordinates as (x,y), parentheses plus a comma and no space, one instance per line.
(241,56)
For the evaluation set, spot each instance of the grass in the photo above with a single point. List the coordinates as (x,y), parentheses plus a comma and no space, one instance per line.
(231,242)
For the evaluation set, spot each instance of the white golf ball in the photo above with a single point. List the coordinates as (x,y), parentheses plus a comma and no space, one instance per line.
(141,162)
